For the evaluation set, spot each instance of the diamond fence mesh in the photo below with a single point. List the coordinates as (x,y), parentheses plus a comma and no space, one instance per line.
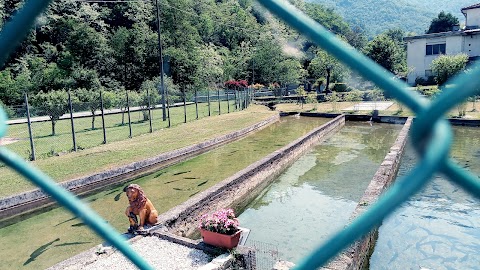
(55,131)
(431,134)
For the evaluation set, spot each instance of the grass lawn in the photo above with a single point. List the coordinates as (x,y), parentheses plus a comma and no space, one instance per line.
(124,151)
(47,145)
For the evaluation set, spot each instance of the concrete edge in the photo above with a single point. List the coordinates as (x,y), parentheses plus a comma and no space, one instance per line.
(239,189)
(385,118)
(222,259)
(182,220)
(356,256)
(34,199)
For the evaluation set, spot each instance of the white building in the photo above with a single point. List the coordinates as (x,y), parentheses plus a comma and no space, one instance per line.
(423,49)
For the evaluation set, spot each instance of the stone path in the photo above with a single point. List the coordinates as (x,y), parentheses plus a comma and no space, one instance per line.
(370,106)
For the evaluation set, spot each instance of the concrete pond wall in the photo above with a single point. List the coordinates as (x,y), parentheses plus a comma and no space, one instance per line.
(356,256)
(241,188)
(235,191)
(35,199)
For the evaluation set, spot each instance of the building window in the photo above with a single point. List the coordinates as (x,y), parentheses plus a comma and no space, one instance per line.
(436,49)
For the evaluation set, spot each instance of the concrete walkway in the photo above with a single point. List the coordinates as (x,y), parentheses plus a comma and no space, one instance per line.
(177,254)
(88,114)
(370,106)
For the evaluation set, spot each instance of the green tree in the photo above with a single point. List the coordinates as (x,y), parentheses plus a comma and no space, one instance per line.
(87,46)
(271,63)
(210,69)
(386,52)
(446,66)
(443,23)
(53,103)
(326,66)
(149,95)
(9,93)
(91,98)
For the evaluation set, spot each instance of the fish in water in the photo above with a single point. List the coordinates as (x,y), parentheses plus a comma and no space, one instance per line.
(113,191)
(181,172)
(171,181)
(158,174)
(202,183)
(72,243)
(191,195)
(65,221)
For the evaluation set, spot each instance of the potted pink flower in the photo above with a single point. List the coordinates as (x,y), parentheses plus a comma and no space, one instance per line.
(220,229)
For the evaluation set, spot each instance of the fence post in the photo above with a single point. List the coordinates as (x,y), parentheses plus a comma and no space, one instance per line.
(103,118)
(184,106)
(129,119)
(168,108)
(30,134)
(236,105)
(242,99)
(218,97)
(228,102)
(71,121)
(196,102)
(149,111)
(208,101)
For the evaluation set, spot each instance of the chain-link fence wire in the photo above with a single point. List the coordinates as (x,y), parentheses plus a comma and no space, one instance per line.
(431,135)
(266,255)
(12,33)
(55,133)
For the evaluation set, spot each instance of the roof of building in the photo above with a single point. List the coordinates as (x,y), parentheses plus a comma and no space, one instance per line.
(471,7)
(435,35)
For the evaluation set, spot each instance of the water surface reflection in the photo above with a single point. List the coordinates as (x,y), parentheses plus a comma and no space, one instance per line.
(439,228)
(317,194)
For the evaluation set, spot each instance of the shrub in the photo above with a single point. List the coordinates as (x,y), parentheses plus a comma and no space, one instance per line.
(340,87)
(354,95)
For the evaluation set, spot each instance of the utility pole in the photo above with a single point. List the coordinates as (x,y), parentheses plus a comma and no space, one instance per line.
(160,58)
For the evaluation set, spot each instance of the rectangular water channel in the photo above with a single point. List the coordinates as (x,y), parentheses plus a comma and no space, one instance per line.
(438,228)
(315,196)
(41,240)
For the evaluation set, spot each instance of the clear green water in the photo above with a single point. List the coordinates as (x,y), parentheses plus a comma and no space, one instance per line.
(439,228)
(317,194)
(42,240)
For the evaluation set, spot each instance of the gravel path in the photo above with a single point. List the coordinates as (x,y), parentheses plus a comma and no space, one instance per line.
(160,254)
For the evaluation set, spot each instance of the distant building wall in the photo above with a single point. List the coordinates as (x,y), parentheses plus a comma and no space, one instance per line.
(415,59)
(419,62)
(472,45)
(473,17)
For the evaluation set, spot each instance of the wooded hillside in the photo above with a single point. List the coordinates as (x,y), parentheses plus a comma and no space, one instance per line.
(379,15)
(113,45)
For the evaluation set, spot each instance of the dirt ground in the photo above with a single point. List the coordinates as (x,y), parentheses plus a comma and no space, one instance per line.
(7,140)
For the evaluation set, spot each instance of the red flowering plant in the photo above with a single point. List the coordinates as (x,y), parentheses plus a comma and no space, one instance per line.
(243,83)
(222,221)
(233,84)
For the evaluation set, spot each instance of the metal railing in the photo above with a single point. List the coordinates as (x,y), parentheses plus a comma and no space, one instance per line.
(431,134)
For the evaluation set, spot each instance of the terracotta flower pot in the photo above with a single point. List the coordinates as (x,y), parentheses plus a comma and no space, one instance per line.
(220,240)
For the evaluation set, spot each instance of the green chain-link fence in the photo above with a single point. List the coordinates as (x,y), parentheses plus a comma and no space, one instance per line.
(56,131)
(431,134)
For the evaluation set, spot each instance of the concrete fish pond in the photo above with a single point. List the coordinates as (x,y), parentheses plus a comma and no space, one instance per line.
(316,196)
(43,239)
(438,228)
